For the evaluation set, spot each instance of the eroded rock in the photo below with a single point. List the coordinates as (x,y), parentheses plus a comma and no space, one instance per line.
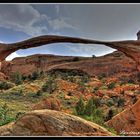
(52,123)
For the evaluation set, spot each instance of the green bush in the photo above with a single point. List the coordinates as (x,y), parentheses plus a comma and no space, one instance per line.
(50,86)
(4,115)
(101,76)
(111,85)
(98,116)
(131,81)
(96,102)
(16,77)
(85,78)
(110,102)
(39,93)
(121,102)
(17,92)
(89,107)
(95,89)
(110,114)
(5,85)
(80,107)
(35,75)
(89,111)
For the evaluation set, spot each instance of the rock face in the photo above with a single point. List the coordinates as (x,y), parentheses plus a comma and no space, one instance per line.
(130,48)
(110,64)
(128,121)
(52,123)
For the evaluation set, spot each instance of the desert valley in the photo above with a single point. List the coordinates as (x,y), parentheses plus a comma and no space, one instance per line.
(70,70)
(102,90)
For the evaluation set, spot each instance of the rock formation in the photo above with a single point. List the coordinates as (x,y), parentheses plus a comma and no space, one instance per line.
(130,47)
(112,64)
(52,123)
(128,121)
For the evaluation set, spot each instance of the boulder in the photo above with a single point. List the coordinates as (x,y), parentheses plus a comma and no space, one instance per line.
(52,123)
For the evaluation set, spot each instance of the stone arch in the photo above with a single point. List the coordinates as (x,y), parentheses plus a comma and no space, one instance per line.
(129,47)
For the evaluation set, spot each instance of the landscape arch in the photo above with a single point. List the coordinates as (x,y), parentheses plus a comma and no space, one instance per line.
(131,48)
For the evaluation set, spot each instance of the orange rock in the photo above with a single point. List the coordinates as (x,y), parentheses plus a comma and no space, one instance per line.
(52,123)
(128,121)
(96,83)
(67,97)
(48,103)
(129,93)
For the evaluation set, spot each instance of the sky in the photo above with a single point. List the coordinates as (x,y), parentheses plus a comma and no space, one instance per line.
(110,22)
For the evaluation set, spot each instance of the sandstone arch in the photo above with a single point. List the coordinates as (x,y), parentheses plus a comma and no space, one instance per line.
(130,47)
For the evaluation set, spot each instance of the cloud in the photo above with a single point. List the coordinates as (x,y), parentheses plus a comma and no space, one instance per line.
(27,19)
(57,9)
(60,23)
(22,18)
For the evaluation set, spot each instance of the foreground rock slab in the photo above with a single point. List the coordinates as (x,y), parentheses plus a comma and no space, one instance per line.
(52,123)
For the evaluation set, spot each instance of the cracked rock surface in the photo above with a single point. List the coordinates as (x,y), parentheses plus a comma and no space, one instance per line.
(52,123)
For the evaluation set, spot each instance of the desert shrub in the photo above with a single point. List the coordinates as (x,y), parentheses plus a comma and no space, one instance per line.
(110,114)
(96,102)
(96,117)
(104,87)
(131,81)
(50,86)
(101,76)
(35,75)
(111,85)
(126,79)
(75,59)
(121,102)
(5,85)
(69,75)
(24,77)
(110,102)
(39,93)
(85,78)
(89,107)
(16,77)
(19,114)
(4,115)
(42,73)
(89,111)
(95,89)
(29,77)
(17,92)
(80,106)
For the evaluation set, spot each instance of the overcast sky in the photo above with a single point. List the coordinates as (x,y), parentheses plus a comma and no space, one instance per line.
(93,21)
